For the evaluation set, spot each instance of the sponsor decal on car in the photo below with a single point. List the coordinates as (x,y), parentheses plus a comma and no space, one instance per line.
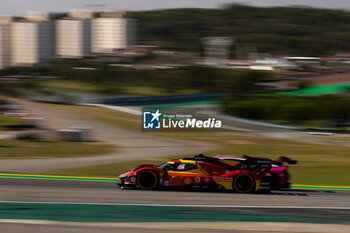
(197,180)
(177,182)
(187,181)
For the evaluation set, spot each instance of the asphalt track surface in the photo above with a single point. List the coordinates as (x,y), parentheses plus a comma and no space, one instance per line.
(45,190)
(324,205)
(212,227)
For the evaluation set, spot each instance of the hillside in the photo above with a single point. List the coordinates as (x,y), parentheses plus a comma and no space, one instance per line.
(281,30)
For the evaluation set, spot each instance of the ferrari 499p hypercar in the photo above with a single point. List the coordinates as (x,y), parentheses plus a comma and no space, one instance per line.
(278,174)
(201,172)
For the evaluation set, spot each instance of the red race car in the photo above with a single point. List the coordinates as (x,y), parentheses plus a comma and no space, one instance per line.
(201,172)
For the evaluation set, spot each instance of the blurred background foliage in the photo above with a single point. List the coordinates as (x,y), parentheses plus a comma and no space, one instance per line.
(195,78)
(289,109)
(281,30)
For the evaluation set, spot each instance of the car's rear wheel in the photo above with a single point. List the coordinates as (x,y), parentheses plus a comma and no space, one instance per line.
(147,180)
(244,183)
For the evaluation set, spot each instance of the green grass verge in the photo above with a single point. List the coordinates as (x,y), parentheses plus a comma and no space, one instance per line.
(108,170)
(318,164)
(9,120)
(24,149)
(68,85)
(110,88)
(321,89)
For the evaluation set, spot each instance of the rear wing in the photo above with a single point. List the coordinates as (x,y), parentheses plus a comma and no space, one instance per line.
(284,159)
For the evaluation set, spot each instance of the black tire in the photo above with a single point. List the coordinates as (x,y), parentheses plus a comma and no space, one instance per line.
(243,183)
(147,180)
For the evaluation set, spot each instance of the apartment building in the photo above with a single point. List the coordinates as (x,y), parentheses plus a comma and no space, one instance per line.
(112,31)
(74,35)
(33,40)
(5,41)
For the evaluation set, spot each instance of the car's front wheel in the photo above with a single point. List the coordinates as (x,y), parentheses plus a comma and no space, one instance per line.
(147,180)
(243,183)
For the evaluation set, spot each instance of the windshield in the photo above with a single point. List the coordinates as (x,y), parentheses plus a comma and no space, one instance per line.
(177,166)
(185,166)
(165,166)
